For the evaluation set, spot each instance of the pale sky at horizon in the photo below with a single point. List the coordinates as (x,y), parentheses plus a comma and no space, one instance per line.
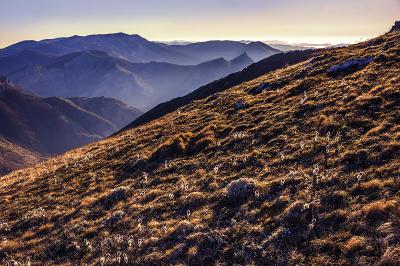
(293,21)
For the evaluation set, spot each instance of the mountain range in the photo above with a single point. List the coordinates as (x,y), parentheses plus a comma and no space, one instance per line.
(298,166)
(126,67)
(143,85)
(40,127)
(137,49)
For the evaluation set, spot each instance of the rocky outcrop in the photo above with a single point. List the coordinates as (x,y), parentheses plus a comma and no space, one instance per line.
(352,64)
(396,26)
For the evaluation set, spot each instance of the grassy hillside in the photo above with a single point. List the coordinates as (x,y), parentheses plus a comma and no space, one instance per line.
(305,171)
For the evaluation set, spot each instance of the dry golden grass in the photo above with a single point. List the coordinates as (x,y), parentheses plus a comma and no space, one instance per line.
(306,174)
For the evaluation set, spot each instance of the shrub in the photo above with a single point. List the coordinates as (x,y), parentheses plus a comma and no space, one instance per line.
(195,199)
(116,195)
(295,214)
(390,150)
(336,199)
(205,138)
(378,210)
(176,146)
(368,188)
(354,244)
(391,257)
(239,190)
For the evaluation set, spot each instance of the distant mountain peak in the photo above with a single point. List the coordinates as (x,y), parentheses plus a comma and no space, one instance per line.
(219,60)
(263,45)
(243,56)
(242,60)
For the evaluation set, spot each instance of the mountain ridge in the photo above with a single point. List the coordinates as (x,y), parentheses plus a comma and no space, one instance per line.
(136,48)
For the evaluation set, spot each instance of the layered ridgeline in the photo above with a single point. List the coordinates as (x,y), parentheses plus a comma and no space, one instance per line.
(46,126)
(137,49)
(126,67)
(300,170)
(95,73)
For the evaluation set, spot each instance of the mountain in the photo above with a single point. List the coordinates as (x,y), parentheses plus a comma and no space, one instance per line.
(126,67)
(45,126)
(84,74)
(251,72)
(302,170)
(227,49)
(137,49)
(170,81)
(129,47)
(95,73)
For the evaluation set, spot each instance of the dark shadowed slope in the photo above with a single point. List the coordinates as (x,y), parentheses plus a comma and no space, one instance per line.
(44,126)
(253,71)
(305,172)
(47,125)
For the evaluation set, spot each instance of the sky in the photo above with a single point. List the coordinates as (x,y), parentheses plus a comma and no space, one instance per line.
(292,21)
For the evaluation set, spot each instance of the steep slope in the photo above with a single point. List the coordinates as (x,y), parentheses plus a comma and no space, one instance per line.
(303,172)
(251,72)
(95,73)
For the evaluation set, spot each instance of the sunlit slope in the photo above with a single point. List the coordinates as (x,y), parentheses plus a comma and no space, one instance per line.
(302,170)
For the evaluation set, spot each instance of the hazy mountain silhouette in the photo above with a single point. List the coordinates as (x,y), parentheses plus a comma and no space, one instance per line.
(130,47)
(95,73)
(139,50)
(228,49)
